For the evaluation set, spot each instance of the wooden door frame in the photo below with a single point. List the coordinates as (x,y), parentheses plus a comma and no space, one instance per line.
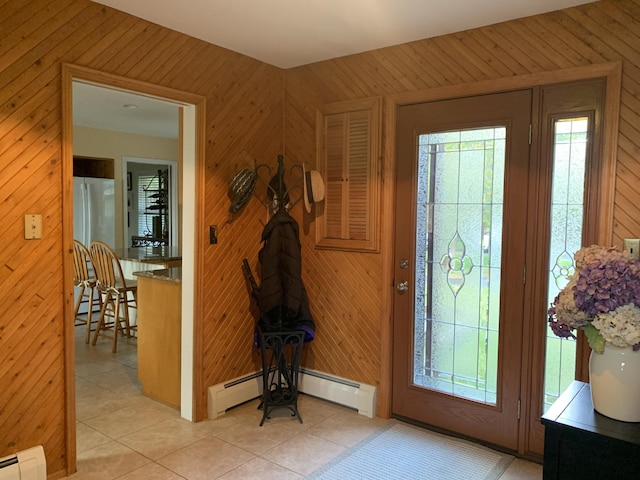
(612,71)
(69,74)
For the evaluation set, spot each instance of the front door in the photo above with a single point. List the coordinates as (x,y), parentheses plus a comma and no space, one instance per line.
(461,231)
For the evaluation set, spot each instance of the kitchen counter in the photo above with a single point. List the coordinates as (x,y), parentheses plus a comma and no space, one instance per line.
(165,274)
(135,260)
(159,301)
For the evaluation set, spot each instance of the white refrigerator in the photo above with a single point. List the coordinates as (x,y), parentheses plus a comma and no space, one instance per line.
(93,214)
(94,210)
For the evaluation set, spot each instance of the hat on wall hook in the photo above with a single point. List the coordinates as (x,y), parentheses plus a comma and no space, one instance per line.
(241,188)
(313,187)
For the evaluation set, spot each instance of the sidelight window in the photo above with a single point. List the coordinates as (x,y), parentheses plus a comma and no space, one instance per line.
(566,216)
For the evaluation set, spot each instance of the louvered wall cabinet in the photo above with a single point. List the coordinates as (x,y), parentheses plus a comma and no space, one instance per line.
(348,157)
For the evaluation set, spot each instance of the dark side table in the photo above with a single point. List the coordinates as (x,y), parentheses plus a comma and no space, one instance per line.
(581,444)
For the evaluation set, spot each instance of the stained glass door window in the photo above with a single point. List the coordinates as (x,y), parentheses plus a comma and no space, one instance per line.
(458,261)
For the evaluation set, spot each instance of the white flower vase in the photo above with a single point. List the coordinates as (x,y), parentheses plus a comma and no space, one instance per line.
(614,377)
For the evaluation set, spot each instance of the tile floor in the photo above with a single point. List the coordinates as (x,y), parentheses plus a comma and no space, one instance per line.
(124,435)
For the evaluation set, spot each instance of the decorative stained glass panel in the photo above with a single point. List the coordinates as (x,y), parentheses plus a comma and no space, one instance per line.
(458,261)
(567,205)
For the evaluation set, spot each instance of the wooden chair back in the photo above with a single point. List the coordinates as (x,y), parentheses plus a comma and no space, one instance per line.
(82,267)
(116,296)
(107,267)
(84,278)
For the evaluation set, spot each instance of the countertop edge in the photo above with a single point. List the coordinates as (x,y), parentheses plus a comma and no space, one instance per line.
(165,274)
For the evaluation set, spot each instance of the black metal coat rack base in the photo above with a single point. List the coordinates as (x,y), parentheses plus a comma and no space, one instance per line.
(280,352)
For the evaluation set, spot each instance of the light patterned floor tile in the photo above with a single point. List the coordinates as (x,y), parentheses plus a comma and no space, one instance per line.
(165,438)
(129,420)
(121,379)
(152,471)
(260,469)
(97,401)
(347,428)
(304,453)
(88,438)
(206,459)
(231,447)
(314,410)
(107,462)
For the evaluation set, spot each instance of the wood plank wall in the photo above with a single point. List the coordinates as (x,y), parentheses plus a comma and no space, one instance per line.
(244,122)
(345,289)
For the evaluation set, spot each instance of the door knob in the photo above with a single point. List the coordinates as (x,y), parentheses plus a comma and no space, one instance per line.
(402,286)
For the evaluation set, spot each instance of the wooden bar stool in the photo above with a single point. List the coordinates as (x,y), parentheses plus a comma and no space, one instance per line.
(118,294)
(84,278)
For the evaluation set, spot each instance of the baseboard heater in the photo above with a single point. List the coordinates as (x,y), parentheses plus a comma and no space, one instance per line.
(28,464)
(359,396)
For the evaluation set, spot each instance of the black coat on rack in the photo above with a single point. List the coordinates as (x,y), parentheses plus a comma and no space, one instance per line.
(281,297)
(283,300)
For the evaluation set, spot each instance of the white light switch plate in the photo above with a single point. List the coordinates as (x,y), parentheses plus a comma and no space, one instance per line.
(32,226)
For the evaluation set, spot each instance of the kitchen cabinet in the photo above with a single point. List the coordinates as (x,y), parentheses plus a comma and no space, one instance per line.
(160,333)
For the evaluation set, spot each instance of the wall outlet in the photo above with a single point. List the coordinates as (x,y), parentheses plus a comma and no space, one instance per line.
(632,245)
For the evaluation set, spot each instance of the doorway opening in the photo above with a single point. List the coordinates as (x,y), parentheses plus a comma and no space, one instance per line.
(187,132)
(151,203)
(191,112)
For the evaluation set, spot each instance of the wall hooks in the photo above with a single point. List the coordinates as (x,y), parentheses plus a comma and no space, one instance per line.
(242,186)
(278,194)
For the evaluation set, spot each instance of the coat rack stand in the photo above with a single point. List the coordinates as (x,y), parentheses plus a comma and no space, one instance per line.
(280,352)
(279,339)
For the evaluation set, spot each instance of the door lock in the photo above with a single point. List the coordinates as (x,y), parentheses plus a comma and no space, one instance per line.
(402,286)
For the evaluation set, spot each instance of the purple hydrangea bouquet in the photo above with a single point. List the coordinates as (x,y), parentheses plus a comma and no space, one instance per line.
(602,298)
